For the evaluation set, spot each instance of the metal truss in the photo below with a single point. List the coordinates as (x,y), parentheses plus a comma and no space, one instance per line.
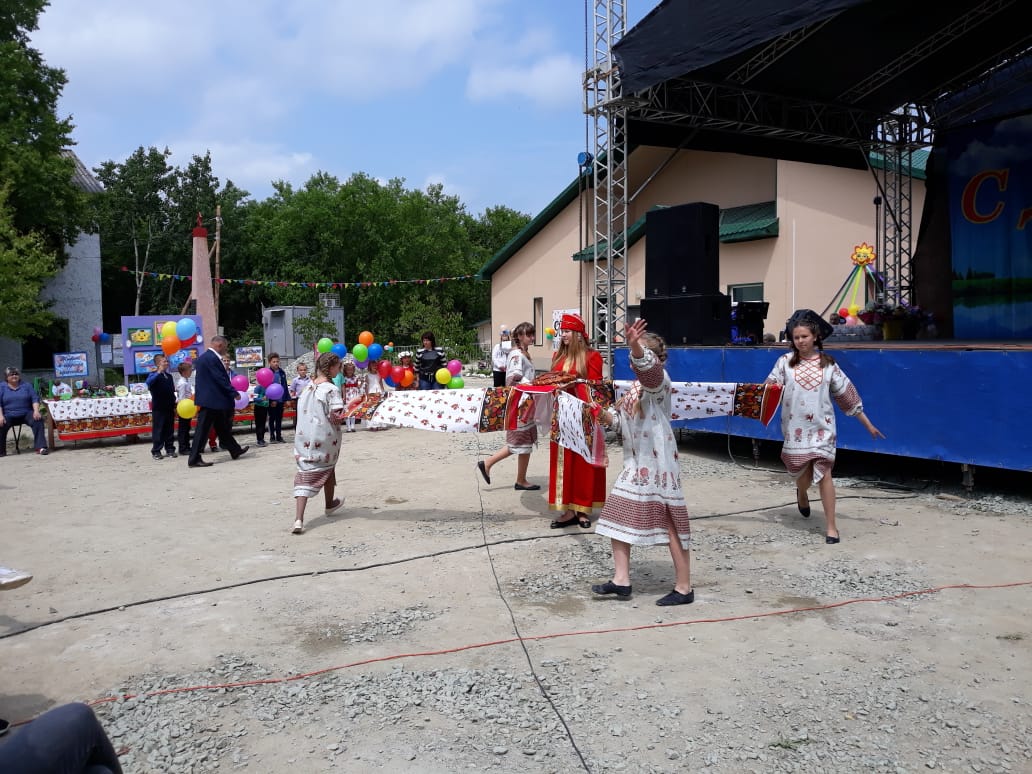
(606,110)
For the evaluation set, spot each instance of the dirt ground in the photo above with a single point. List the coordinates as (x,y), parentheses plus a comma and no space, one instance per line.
(795,656)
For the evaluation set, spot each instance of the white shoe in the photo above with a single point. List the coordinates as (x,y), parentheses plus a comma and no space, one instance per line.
(12,579)
(299,527)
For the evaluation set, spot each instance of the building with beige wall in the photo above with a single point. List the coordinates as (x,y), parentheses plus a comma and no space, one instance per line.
(787,231)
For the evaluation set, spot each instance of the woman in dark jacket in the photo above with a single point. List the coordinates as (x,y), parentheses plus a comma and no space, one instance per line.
(429,360)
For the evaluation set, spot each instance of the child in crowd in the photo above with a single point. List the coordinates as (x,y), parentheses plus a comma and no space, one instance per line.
(184,390)
(297,386)
(813,385)
(375,386)
(353,387)
(405,361)
(646,506)
(276,406)
(163,407)
(317,440)
(261,414)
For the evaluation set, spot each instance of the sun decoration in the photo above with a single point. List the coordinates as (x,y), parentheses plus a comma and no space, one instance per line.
(863,254)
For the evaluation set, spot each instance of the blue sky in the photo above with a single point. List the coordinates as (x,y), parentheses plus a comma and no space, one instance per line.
(483,96)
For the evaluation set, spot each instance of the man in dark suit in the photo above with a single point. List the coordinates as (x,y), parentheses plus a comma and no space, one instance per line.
(217,397)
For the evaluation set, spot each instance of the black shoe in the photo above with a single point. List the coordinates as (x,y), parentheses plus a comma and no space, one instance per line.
(611,588)
(172,453)
(675,597)
(570,522)
(527,488)
(261,443)
(483,471)
(803,509)
(200,464)
(280,439)
(831,540)
(157,455)
(241,453)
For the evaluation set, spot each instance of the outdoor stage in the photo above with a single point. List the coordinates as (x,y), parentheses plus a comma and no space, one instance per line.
(954,401)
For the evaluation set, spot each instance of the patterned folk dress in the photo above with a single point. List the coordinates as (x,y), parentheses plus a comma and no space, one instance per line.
(316,437)
(808,412)
(520,370)
(647,496)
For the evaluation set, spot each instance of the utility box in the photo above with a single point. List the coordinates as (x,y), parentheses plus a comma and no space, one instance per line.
(278,323)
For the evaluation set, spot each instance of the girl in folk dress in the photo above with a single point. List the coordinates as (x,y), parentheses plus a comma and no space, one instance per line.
(646,506)
(575,487)
(353,386)
(813,384)
(375,386)
(519,369)
(317,440)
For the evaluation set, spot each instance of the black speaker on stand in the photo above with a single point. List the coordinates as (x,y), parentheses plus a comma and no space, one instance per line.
(698,320)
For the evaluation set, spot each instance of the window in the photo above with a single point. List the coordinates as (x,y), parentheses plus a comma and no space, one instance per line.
(748,292)
(538,316)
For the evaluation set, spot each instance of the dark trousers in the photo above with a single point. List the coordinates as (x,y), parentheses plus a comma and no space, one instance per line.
(261,417)
(429,384)
(65,740)
(184,435)
(163,425)
(222,423)
(39,438)
(499,378)
(276,421)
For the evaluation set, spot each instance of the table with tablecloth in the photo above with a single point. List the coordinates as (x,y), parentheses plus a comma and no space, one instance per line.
(81,418)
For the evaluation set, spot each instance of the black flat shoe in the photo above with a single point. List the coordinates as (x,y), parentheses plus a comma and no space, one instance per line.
(675,597)
(611,588)
(527,488)
(570,522)
(803,509)
(831,540)
(483,471)
(200,464)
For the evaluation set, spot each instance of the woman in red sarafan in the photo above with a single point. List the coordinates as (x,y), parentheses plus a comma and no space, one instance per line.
(575,487)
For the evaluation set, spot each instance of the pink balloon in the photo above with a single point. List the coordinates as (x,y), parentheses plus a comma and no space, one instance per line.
(242,401)
(265,377)
(454,367)
(239,383)
(274,392)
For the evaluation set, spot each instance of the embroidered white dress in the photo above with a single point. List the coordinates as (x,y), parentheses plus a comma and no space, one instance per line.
(647,496)
(808,412)
(520,370)
(316,437)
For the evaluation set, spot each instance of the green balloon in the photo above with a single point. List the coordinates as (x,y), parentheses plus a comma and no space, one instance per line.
(325,345)
(361,352)
(456,383)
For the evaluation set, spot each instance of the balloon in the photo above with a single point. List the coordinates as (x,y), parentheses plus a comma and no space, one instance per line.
(239,382)
(443,376)
(366,338)
(390,344)
(360,351)
(264,377)
(186,408)
(97,330)
(186,329)
(408,378)
(456,383)
(168,330)
(339,350)
(324,345)
(361,363)
(95,338)
(550,331)
(549,336)
(274,392)
(384,369)
(851,320)
(170,345)
(105,337)
(853,309)
(375,351)
(189,341)
(242,401)
(843,313)
(389,382)
(397,374)
(389,348)
(455,367)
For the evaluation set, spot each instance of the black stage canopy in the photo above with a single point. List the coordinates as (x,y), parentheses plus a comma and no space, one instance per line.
(814,80)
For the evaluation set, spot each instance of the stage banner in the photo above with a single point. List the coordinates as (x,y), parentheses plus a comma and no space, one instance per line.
(990,189)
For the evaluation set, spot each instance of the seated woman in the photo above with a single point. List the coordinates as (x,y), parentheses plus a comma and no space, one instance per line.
(19,405)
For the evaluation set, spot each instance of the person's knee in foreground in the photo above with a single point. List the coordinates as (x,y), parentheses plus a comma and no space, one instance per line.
(317,440)
(646,506)
(813,385)
(64,740)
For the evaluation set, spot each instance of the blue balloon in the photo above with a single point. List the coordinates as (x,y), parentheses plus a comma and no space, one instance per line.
(375,351)
(389,382)
(186,329)
(104,337)
(339,350)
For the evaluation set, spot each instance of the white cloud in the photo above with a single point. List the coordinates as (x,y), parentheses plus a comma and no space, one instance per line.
(251,165)
(552,81)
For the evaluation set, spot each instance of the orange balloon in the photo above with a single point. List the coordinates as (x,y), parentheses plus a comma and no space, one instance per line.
(365,337)
(170,345)
(408,378)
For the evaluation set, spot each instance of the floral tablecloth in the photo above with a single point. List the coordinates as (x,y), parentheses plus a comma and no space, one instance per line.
(86,415)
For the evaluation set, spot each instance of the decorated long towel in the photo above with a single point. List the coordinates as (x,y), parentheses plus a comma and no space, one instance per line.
(568,421)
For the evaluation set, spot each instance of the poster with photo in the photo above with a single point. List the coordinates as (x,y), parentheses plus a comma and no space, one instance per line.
(557,316)
(250,357)
(140,337)
(144,362)
(70,365)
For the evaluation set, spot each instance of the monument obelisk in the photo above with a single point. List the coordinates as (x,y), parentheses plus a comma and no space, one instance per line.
(201,287)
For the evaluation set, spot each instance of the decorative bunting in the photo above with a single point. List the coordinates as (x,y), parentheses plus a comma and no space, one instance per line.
(287,284)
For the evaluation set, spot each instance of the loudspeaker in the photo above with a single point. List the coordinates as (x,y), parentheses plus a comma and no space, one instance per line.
(689,320)
(682,250)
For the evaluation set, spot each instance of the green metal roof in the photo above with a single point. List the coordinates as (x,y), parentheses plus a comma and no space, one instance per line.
(918,163)
(737,224)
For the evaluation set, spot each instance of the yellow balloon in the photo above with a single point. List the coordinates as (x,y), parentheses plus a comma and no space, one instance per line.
(186,408)
(443,376)
(853,309)
(168,330)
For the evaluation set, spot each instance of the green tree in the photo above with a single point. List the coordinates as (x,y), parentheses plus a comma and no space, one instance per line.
(25,266)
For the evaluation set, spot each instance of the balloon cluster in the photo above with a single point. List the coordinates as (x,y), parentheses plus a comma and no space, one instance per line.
(449,375)
(549,333)
(176,335)
(99,336)
(849,314)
